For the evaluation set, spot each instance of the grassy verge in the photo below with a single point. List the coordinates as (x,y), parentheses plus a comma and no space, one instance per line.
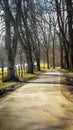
(65,72)
(6,85)
(67,90)
(68,75)
(29,76)
(25,77)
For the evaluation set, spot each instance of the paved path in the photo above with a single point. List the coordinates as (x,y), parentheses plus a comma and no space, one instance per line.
(38,105)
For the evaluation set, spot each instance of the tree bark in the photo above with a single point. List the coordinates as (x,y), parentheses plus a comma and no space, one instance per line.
(47,56)
(10,47)
(29,56)
(29,63)
(70,29)
(53,55)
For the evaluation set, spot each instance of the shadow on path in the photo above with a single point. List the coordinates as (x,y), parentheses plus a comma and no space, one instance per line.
(52,75)
(47,82)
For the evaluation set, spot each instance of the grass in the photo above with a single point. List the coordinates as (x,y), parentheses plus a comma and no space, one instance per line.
(43,65)
(66,72)
(67,90)
(26,76)
(6,85)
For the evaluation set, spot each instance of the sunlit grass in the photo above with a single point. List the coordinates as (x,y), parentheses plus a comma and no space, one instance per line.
(6,85)
(66,72)
(62,70)
(25,76)
(42,65)
(5,73)
(28,76)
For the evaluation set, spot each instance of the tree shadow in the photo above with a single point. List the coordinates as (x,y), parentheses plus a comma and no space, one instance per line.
(52,75)
(62,125)
(49,82)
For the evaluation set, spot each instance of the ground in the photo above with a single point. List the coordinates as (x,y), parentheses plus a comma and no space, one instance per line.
(40,104)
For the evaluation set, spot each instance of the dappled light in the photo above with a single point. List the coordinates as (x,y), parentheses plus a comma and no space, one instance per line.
(36,64)
(37,105)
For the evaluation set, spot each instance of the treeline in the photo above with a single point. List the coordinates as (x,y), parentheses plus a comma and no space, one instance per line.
(64,9)
(35,25)
(20,27)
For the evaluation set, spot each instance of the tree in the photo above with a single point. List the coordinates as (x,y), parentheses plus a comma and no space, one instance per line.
(69,6)
(10,42)
(65,22)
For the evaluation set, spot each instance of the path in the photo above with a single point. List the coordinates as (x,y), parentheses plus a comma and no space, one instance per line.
(38,105)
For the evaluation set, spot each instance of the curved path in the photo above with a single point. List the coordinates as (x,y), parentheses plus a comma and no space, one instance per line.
(38,105)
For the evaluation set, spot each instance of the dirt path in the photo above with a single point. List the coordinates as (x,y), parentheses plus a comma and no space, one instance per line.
(38,105)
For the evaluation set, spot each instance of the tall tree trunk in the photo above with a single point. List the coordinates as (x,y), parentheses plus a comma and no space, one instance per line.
(30,64)
(2,66)
(11,64)
(66,59)
(47,56)
(29,61)
(70,29)
(11,61)
(61,55)
(9,45)
(37,55)
(38,62)
(53,55)
(61,24)
(61,51)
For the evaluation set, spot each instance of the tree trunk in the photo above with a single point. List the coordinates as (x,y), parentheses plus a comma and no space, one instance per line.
(37,56)
(61,51)
(47,55)
(30,65)
(71,58)
(53,55)
(38,64)
(2,66)
(11,63)
(66,60)
(61,23)
(70,29)
(29,61)
(8,43)
(61,56)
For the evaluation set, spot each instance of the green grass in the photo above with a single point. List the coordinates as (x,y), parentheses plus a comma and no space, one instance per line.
(63,70)
(66,72)
(26,76)
(5,73)
(6,85)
